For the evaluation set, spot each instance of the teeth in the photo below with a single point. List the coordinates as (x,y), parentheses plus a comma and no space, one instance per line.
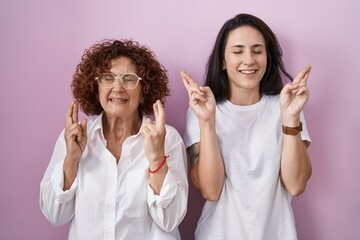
(248,71)
(118,100)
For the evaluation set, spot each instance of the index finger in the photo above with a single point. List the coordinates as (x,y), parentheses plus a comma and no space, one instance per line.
(159,112)
(307,73)
(187,80)
(75,113)
(303,74)
(69,113)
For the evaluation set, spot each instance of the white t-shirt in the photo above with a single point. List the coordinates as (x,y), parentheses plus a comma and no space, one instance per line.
(112,201)
(253,204)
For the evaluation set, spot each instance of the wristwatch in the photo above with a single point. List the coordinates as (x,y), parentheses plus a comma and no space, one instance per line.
(292,130)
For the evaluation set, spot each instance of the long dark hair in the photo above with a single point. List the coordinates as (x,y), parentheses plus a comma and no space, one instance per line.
(272,81)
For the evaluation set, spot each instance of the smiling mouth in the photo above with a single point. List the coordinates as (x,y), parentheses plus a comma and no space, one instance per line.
(118,100)
(247,71)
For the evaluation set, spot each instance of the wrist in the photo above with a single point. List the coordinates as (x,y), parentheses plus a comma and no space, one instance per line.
(207,124)
(70,169)
(156,166)
(292,130)
(291,121)
(70,163)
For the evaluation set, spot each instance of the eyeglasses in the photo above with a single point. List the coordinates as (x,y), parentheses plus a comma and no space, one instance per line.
(127,80)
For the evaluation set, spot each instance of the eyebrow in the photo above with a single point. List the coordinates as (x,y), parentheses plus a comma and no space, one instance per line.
(242,46)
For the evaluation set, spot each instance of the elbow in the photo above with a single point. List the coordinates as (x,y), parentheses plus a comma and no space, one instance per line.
(53,218)
(169,224)
(300,188)
(211,193)
(210,190)
(208,193)
(56,223)
(297,192)
(211,196)
(168,227)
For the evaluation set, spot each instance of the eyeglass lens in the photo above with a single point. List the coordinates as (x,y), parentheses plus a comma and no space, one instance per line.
(127,80)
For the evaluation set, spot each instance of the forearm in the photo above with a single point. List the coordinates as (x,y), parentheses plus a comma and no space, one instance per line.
(168,208)
(156,178)
(209,173)
(295,164)
(70,172)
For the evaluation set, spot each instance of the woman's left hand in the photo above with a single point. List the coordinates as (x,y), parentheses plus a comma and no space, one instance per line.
(154,134)
(294,96)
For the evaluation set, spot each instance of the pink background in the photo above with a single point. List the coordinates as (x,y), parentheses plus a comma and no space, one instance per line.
(42,42)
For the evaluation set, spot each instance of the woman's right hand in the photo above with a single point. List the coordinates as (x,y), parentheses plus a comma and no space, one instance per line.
(201,99)
(75,134)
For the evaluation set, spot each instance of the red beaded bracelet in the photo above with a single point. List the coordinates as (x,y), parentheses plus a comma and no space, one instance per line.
(161,164)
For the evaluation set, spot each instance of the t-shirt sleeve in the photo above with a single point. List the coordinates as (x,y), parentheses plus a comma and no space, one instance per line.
(304,134)
(192,130)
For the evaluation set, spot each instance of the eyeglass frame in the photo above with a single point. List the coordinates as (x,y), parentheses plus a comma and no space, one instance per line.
(120,78)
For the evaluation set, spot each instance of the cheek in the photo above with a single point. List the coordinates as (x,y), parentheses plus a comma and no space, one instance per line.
(139,94)
(102,97)
(233,61)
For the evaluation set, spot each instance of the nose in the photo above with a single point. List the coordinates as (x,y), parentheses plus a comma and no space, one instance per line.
(248,58)
(117,85)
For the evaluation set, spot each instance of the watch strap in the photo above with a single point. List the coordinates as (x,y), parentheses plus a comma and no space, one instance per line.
(292,130)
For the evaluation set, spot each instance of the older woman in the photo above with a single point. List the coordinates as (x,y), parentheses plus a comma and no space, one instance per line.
(120,175)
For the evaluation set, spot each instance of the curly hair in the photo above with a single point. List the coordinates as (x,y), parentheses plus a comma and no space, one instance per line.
(97,59)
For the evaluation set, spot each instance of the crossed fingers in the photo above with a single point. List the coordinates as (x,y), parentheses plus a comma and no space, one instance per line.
(195,91)
(159,126)
(302,77)
(72,125)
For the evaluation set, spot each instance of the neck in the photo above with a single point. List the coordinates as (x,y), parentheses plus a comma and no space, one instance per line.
(245,98)
(118,127)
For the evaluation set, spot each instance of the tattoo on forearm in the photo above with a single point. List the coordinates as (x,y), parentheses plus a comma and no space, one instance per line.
(193,151)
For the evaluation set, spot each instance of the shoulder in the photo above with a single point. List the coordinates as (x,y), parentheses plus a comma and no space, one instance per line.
(173,140)
(172,132)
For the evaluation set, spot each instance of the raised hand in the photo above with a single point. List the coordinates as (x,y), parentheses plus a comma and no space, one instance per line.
(75,133)
(294,96)
(154,134)
(201,99)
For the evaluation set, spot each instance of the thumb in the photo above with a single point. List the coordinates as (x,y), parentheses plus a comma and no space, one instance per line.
(144,129)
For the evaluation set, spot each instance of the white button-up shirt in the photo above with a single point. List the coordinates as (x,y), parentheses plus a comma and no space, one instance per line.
(115,201)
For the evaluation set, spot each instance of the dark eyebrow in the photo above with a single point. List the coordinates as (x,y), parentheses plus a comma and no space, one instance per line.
(237,46)
(253,46)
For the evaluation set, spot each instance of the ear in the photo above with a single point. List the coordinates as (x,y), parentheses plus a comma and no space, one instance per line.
(223,65)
